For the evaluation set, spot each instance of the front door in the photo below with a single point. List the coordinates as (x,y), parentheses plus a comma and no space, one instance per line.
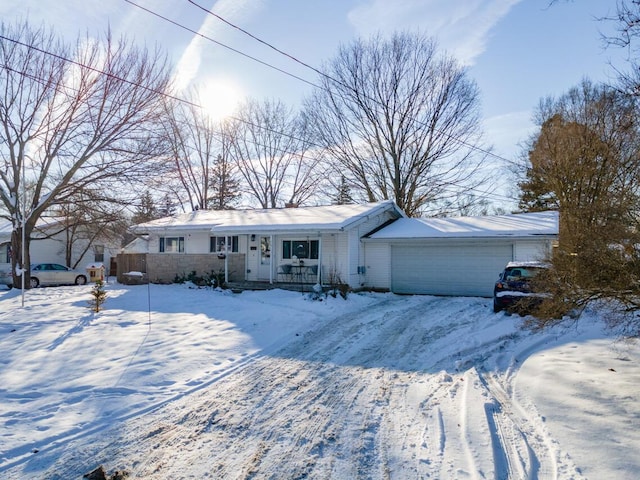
(264,262)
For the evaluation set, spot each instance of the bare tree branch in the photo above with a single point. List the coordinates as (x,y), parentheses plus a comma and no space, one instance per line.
(270,147)
(401,120)
(73,118)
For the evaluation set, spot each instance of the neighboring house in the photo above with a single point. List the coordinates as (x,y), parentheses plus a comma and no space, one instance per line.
(288,245)
(455,256)
(47,246)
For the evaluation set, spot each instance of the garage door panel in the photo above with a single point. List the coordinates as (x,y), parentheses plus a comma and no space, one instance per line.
(448,270)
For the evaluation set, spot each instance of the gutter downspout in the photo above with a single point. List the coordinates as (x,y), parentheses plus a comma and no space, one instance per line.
(319,274)
(272,248)
(226,259)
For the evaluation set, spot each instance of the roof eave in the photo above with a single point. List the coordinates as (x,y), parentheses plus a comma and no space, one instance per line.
(285,230)
(537,236)
(363,217)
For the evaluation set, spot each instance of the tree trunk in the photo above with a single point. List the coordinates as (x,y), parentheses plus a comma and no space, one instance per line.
(16,257)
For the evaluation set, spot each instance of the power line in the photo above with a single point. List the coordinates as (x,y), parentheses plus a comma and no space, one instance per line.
(130,82)
(93,69)
(234,50)
(166,95)
(330,78)
(69,88)
(282,52)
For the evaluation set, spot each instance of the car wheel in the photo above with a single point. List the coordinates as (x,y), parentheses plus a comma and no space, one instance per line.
(81,280)
(496,307)
(34,282)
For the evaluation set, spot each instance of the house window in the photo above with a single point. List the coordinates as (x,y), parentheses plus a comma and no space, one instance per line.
(98,253)
(300,248)
(217,244)
(171,244)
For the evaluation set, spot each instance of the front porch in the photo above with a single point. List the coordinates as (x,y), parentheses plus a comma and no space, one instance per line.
(249,285)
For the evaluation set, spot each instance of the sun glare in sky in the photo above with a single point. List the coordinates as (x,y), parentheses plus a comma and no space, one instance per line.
(220,97)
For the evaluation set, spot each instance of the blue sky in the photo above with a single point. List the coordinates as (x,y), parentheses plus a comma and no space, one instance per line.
(518,51)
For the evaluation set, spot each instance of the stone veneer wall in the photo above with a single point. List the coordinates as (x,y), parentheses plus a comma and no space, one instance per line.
(163,267)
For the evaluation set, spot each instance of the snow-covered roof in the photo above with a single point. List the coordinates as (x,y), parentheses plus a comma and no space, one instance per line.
(514,225)
(137,245)
(43,223)
(330,217)
(5,232)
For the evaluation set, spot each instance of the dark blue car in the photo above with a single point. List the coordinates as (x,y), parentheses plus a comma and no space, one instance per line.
(514,286)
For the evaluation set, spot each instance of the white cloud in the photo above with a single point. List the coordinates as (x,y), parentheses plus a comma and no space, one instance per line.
(232,10)
(509,132)
(462,27)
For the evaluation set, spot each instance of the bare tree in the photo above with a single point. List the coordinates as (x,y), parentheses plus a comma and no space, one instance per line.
(86,221)
(270,147)
(401,120)
(195,142)
(626,22)
(72,118)
(308,167)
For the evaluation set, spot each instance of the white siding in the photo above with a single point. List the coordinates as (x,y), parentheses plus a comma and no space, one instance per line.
(378,265)
(334,257)
(353,259)
(47,250)
(357,259)
(196,242)
(525,250)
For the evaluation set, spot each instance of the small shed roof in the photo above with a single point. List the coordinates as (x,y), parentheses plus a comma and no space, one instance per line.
(329,217)
(137,245)
(514,225)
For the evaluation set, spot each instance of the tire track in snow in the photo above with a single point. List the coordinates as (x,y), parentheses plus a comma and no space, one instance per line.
(528,448)
(389,392)
(524,450)
(467,442)
(351,411)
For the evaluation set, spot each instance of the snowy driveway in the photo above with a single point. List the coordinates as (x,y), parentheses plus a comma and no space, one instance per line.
(199,384)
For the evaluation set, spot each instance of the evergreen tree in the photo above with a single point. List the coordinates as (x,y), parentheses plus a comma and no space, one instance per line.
(98,296)
(343,195)
(224,186)
(168,207)
(146,210)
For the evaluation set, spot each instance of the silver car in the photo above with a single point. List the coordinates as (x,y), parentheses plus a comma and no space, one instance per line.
(6,278)
(55,274)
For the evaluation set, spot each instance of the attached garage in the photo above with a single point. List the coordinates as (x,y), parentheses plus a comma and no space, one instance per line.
(468,270)
(456,256)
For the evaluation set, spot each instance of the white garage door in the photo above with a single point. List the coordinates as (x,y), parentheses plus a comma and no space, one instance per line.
(448,270)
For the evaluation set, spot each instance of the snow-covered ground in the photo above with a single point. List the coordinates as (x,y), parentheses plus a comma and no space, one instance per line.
(170,382)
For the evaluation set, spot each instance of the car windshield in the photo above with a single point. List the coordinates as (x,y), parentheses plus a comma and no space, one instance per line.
(521,273)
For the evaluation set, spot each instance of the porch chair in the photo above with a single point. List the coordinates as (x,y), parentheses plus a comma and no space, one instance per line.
(284,272)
